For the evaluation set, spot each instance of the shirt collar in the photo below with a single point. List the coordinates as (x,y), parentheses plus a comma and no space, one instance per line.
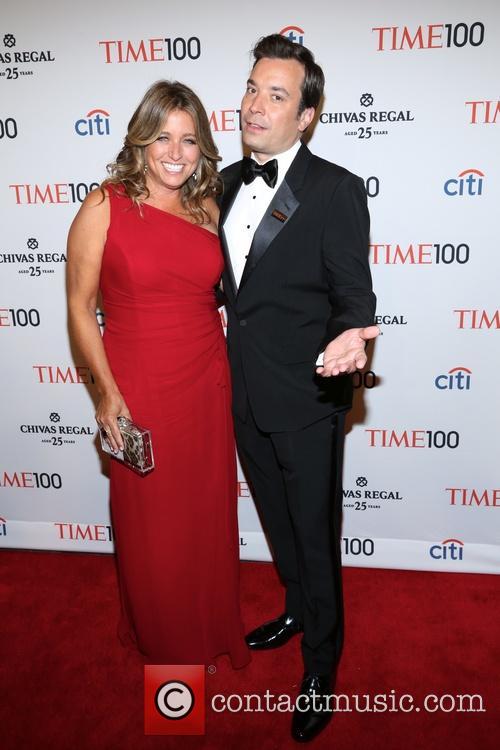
(284,160)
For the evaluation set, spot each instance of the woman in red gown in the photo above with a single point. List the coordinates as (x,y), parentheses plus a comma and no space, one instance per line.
(148,241)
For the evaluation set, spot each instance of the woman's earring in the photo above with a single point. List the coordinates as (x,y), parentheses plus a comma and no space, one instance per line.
(145,168)
(195,177)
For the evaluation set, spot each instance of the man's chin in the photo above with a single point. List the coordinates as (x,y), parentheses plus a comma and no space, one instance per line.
(254,141)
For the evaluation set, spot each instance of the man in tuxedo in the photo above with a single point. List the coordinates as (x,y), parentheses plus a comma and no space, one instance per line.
(300,305)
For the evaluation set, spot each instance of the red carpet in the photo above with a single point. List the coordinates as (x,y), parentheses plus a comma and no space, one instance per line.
(68,683)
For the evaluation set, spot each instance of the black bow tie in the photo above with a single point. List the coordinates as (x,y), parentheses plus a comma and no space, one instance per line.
(268,171)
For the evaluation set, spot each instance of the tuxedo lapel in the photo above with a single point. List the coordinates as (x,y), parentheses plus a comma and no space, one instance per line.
(278,213)
(226,202)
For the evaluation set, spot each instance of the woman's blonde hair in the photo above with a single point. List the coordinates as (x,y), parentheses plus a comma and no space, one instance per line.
(146,124)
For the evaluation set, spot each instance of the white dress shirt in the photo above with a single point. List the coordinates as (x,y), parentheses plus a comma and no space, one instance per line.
(248,209)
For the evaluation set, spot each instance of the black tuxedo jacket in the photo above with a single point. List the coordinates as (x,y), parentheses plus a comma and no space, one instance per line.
(306,280)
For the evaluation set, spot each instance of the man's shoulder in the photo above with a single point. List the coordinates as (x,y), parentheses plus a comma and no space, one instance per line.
(230,176)
(230,172)
(329,170)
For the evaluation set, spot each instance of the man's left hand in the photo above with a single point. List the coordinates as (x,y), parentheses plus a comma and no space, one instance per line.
(346,353)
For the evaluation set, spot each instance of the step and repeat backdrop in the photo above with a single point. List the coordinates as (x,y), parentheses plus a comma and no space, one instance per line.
(412,106)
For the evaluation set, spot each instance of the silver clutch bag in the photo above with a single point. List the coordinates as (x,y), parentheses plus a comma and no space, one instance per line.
(137,450)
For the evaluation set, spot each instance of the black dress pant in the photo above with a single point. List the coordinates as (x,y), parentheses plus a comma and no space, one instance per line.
(296,479)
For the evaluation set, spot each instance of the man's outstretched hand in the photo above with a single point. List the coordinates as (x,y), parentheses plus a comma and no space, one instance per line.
(346,353)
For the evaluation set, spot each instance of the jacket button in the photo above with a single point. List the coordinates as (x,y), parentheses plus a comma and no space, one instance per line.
(243,322)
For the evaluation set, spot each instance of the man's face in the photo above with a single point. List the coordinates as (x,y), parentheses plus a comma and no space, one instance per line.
(269,108)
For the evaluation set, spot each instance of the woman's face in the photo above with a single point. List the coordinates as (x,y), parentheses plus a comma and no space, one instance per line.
(174,156)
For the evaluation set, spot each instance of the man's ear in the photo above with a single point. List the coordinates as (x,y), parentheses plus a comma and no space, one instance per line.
(306,118)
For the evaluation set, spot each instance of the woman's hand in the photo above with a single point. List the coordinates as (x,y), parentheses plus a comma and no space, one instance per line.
(110,407)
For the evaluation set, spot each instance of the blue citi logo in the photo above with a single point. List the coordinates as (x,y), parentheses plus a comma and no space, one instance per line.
(293,33)
(468,182)
(457,379)
(449,549)
(95,122)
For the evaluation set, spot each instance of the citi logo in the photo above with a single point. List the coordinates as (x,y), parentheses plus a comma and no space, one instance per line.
(449,549)
(457,379)
(95,122)
(468,182)
(293,33)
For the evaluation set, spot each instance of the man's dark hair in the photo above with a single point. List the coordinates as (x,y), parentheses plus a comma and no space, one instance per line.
(279,47)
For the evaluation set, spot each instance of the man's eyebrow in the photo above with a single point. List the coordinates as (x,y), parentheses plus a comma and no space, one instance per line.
(281,89)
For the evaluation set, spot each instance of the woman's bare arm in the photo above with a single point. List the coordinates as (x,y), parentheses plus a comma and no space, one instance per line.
(86,240)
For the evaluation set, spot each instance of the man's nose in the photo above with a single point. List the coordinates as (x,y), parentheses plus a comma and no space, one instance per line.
(257,104)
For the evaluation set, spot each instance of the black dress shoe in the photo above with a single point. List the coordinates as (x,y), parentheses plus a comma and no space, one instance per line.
(313,710)
(274,633)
